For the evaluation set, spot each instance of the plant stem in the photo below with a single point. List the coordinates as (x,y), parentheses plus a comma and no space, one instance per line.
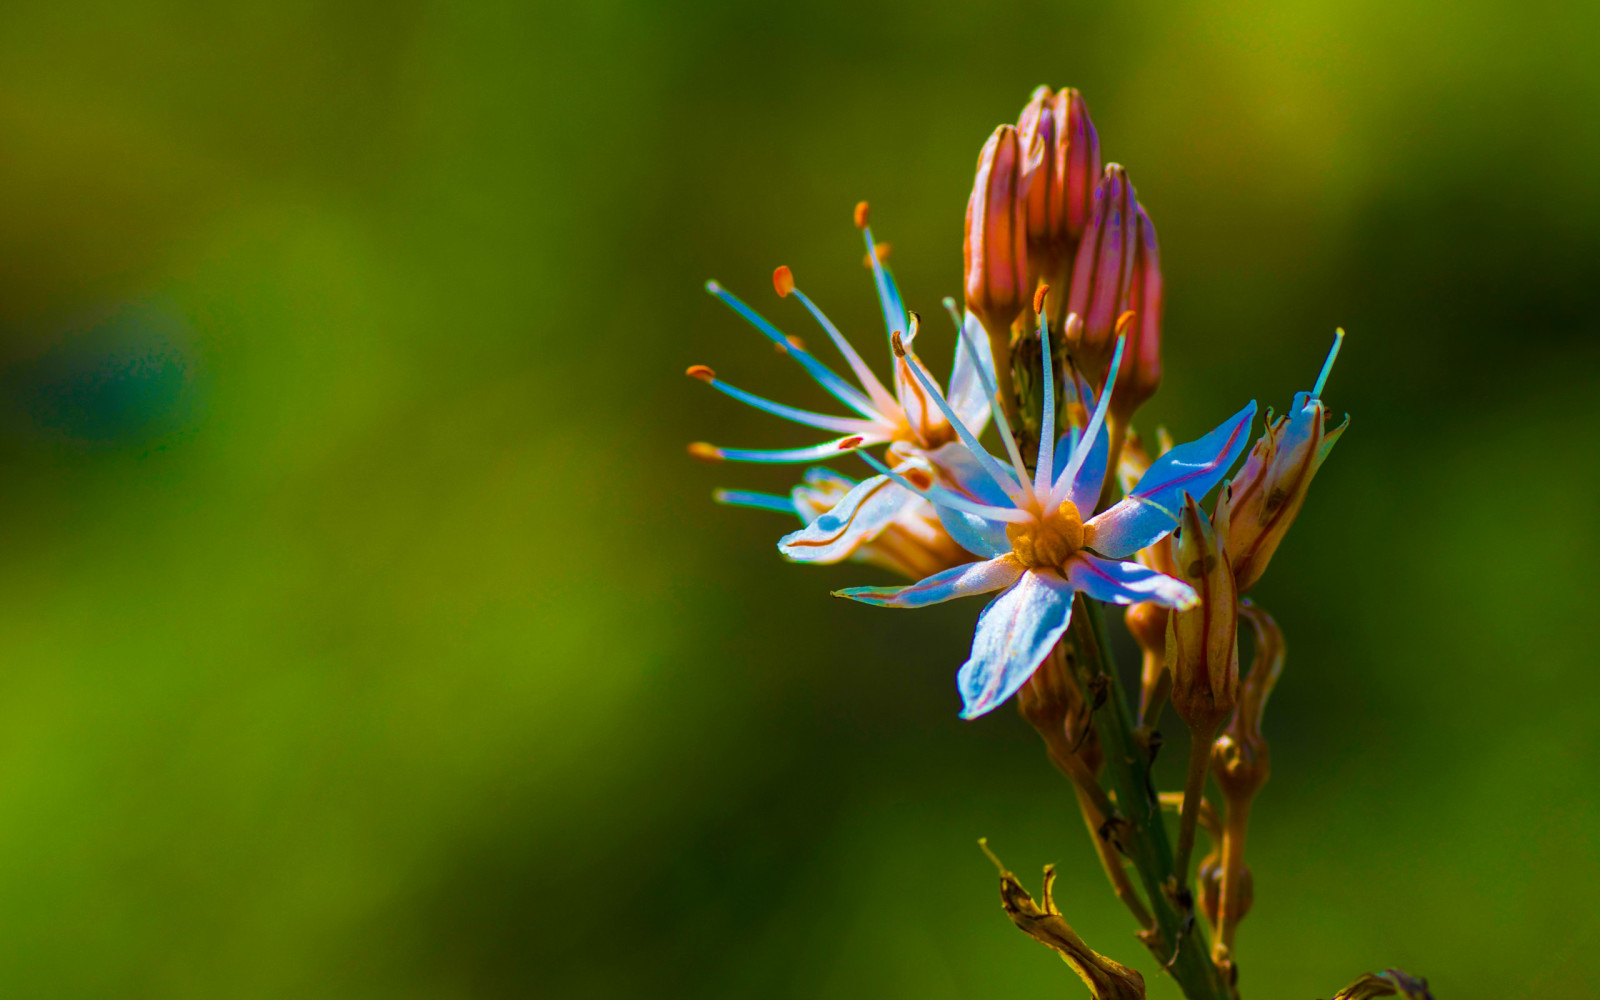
(1147,847)
(1236,825)
(1095,820)
(1193,789)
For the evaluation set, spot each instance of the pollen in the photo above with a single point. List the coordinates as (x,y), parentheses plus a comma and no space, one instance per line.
(1049,541)
(705,452)
(701,372)
(862,208)
(783,281)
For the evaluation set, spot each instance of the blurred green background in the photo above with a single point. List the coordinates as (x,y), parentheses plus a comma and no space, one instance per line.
(366,632)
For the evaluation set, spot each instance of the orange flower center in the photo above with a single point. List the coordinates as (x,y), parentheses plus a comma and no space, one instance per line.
(1049,541)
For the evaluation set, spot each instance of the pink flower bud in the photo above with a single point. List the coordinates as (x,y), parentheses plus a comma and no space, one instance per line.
(997,287)
(1062,155)
(1117,270)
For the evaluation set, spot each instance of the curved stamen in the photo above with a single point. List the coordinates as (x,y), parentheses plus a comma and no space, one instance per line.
(843,391)
(894,312)
(815,453)
(1006,437)
(1047,421)
(839,425)
(881,396)
(755,501)
(996,471)
(945,498)
(1086,443)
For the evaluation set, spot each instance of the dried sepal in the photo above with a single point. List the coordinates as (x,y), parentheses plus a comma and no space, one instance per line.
(1203,641)
(1106,979)
(1390,983)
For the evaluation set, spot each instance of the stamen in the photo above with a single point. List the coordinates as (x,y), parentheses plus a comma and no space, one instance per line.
(1045,467)
(862,208)
(986,461)
(1000,421)
(894,311)
(1327,366)
(880,395)
(840,425)
(1080,454)
(783,281)
(700,451)
(755,501)
(838,387)
(945,498)
(880,251)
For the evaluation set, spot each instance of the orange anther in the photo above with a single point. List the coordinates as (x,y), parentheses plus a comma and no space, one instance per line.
(701,372)
(1038,298)
(851,442)
(783,282)
(705,452)
(861,214)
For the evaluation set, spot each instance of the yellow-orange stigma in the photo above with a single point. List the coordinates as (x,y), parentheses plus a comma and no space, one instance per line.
(705,452)
(783,281)
(701,372)
(1047,543)
(861,214)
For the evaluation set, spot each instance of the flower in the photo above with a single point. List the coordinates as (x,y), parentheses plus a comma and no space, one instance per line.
(1063,166)
(1203,641)
(904,538)
(1264,499)
(923,444)
(1038,550)
(1117,270)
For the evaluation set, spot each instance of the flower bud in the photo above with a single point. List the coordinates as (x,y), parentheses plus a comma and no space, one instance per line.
(1263,500)
(997,286)
(1062,155)
(1113,250)
(1240,758)
(1147,621)
(1140,373)
(1053,703)
(1210,895)
(1203,642)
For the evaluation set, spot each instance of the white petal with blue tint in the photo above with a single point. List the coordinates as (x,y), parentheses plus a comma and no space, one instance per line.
(962,581)
(863,512)
(968,397)
(978,535)
(1151,510)
(1117,582)
(1015,633)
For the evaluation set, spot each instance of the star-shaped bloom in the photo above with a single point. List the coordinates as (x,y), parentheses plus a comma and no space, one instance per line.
(1038,549)
(923,443)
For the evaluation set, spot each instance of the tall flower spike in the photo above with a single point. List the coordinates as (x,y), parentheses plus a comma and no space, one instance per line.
(1263,500)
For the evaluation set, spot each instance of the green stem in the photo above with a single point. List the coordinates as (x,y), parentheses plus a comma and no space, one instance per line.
(1147,848)
(1193,788)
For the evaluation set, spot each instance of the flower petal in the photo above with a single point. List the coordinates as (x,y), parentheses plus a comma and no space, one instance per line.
(858,517)
(968,397)
(962,581)
(1151,510)
(1015,633)
(977,535)
(1118,582)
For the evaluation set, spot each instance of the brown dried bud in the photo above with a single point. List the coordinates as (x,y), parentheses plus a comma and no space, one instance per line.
(1106,979)
(995,252)
(1391,983)
(1203,641)
(1240,759)
(1210,895)
(1263,500)
(1062,156)
(1053,703)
